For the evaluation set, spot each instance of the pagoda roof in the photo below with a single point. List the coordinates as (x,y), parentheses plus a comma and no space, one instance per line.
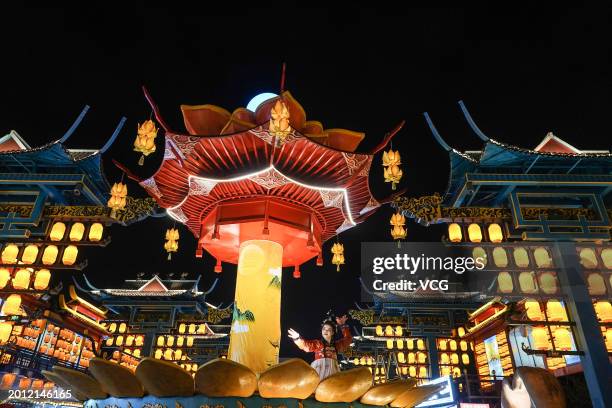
(552,156)
(18,157)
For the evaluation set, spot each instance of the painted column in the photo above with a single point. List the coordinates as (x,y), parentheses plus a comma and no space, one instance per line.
(255,334)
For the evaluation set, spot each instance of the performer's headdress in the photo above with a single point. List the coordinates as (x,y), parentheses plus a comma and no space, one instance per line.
(330,320)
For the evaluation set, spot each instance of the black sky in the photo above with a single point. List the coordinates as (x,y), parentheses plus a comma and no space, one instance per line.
(521,72)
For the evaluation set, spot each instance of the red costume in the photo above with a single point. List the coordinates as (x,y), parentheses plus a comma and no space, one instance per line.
(322,350)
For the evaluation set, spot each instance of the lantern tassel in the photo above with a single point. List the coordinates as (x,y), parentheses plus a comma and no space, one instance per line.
(337,268)
(399,243)
(169,256)
(141,160)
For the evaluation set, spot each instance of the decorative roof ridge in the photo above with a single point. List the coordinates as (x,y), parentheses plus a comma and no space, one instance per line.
(551,154)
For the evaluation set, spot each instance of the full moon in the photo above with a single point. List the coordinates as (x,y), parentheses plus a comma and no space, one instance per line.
(259,99)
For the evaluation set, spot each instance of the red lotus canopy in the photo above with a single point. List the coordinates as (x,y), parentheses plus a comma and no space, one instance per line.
(233,178)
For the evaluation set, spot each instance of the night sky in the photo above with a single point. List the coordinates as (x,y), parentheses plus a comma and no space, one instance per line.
(521,73)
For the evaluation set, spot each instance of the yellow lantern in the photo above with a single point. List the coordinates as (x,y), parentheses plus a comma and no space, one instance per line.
(370,361)
(168,354)
(109,341)
(119,341)
(9,254)
(25,383)
(160,341)
(338,255)
(41,282)
(421,344)
(445,371)
(540,338)
(465,359)
(178,354)
(158,354)
(603,309)
(422,372)
(461,331)
(189,341)
(70,255)
(95,232)
(30,253)
(8,380)
(118,198)
(182,327)
(129,340)
(401,357)
(412,370)
(410,344)
(391,161)
(122,328)
(379,330)
(555,311)
(442,344)
(454,232)
(112,327)
(421,357)
(404,370)
(50,255)
(192,328)
(136,352)
(411,358)
(400,344)
(5,276)
(390,344)
(170,341)
(454,358)
(363,361)
(21,281)
(463,345)
(398,221)
(12,305)
(57,231)
(279,120)
(495,233)
(563,339)
(77,231)
(6,329)
(145,139)
(475,233)
(444,359)
(356,361)
(179,341)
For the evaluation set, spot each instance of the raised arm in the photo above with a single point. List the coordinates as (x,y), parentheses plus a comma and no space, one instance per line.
(308,346)
(347,338)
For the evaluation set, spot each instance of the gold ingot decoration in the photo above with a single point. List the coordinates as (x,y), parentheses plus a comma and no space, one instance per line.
(279,120)
(70,255)
(30,253)
(495,233)
(12,305)
(6,328)
(474,233)
(392,172)
(454,232)
(41,281)
(171,245)
(77,231)
(118,198)
(50,255)
(338,255)
(95,232)
(57,231)
(21,281)
(9,254)
(145,139)
(5,276)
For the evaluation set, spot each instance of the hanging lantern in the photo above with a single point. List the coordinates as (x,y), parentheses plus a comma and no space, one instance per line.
(118,198)
(41,282)
(5,331)
(400,344)
(555,311)
(390,344)
(95,232)
(129,341)
(463,345)
(122,327)
(182,327)
(401,357)
(389,331)
(119,341)
(461,331)
(279,120)
(192,328)
(454,358)
(5,276)
(12,305)
(392,171)
(160,341)
(77,231)
(411,358)
(50,255)
(379,330)
(563,339)
(399,331)
(398,232)
(179,341)
(170,341)
(356,361)
(454,232)
(145,139)
(189,341)
(21,281)
(158,354)
(113,327)
(603,309)
(30,253)
(338,258)
(540,338)
(495,233)
(363,361)
(475,233)
(168,354)
(178,354)
(9,254)
(8,380)
(70,255)
(421,344)
(171,245)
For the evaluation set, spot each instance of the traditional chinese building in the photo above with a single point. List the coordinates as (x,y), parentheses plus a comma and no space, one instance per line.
(541,220)
(167,319)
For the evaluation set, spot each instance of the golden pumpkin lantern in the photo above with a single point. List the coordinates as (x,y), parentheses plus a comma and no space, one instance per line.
(279,120)
(70,255)
(118,198)
(77,231)
(8,380)
(555,311)
(338,255)
(391,161)
(95,232)
(495,233)
(379,330)
(5,332)
(30,253)
(171,245)
(454,232)
(5,276)
(50,255)
(474,233)
(41,282)
(540,338)
(21,281)
(9,254)
(145,139)
(12,305)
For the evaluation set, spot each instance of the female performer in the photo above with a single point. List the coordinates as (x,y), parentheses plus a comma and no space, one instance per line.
(325,349)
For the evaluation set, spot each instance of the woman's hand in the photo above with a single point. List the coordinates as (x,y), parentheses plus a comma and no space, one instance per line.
(293,334)
(341,320)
